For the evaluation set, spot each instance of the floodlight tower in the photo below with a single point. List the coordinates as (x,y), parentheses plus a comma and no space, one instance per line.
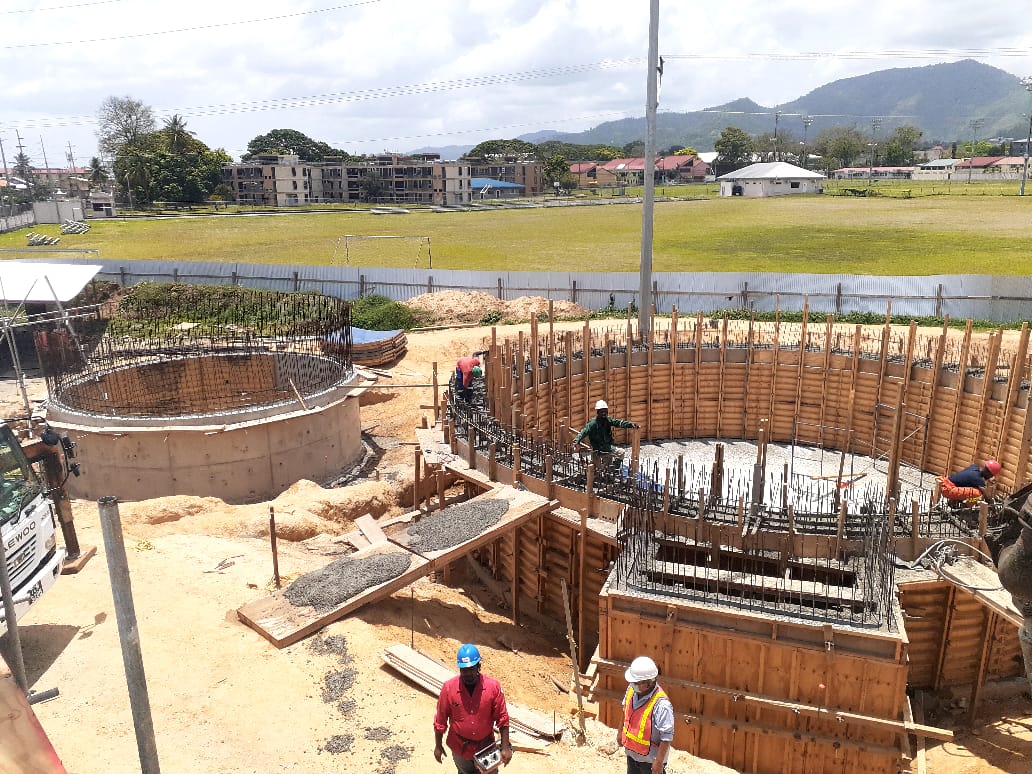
(655,70)
(1027,83)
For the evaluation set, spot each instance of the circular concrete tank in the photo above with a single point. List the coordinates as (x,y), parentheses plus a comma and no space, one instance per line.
(238,425)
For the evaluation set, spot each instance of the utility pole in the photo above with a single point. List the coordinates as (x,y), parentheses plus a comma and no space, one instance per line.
(777,117)
(649,196)
(807,123)
(875,126)
(7,179)
(975,124)
(1027,83)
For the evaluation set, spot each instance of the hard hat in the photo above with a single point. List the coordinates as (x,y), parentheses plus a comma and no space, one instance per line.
(477,371)
(468,656)
(993,467)
(642,668)
(601,404)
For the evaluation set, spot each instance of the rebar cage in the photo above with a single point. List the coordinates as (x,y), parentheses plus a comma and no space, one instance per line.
(190,351)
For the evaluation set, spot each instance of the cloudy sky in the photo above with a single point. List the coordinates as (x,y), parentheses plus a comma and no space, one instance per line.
(374,75)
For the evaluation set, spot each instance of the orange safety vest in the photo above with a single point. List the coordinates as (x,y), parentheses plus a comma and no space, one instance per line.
(637,725)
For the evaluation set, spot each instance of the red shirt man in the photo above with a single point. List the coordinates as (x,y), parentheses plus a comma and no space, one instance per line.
(469,708)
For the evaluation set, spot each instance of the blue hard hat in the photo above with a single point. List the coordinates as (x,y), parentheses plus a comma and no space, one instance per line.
(468,656)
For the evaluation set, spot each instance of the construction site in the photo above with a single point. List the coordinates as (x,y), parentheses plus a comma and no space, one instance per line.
(773,534)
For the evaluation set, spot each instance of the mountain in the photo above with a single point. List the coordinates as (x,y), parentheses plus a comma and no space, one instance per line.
(942,100)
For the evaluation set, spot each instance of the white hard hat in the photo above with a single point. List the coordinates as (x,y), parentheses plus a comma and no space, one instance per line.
(642,668)
(601,404)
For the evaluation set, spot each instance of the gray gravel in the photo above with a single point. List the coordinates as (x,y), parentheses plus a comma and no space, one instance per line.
(340,743)
(455,524)
(396,752)
(334,645)
(337,582)
(378,734)
(336,684)
(346,706)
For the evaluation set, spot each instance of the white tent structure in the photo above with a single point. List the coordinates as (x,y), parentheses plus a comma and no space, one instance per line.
(772,178)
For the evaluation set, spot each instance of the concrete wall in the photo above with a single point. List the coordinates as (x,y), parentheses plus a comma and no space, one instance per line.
(245,462)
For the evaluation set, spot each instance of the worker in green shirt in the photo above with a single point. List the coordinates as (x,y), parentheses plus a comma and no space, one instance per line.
(599,432)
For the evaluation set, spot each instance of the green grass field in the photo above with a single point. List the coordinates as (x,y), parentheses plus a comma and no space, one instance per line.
(888,234)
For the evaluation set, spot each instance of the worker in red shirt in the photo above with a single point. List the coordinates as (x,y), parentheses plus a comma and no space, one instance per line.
(466,369)
(469,708)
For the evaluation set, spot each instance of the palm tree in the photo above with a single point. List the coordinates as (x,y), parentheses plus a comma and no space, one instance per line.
(176,133)
(98,175)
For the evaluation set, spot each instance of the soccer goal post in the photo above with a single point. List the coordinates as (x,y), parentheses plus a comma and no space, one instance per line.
(383,250)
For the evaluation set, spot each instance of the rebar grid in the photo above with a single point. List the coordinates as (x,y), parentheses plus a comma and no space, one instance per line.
(741,570)
(189,353)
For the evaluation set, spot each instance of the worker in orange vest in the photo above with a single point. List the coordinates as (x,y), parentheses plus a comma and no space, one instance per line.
(648,723)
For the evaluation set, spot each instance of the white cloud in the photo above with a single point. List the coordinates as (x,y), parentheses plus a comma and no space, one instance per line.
(373,75)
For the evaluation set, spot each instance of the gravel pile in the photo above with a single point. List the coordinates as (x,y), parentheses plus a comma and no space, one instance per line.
(396,752)
(336,684)
(346,706)
(340,743)
(334,645)
(378,734)
(337,582)
(455,524)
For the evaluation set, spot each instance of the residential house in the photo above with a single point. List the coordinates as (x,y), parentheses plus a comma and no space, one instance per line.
(626,171)
(935,169)
(590,174)
(990,168)
(873,173)
(526,172)
(771,178)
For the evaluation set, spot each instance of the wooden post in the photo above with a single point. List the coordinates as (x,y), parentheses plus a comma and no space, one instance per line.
(437,396)
(961,378)
(515,464)
(272,540)
(492,461)
(892,475)
(672,380)
(439,478)
(417,483)
(516,570)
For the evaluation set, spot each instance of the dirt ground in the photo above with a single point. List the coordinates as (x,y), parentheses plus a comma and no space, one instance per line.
(223,699)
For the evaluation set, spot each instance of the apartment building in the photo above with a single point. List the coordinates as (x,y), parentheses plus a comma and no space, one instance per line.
(285,180)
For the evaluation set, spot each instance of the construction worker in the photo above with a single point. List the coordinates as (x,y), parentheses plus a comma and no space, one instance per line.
(599,431)
(648,722)
(469,707)
(969,483)
(466,370)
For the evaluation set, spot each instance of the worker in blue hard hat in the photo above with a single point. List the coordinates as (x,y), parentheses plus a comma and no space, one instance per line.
(469,708)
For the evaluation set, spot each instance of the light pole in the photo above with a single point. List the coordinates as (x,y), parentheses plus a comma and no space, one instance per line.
(129,190)
(975,124)
(1027,83)
(807,123)
(777,117)
(870,168)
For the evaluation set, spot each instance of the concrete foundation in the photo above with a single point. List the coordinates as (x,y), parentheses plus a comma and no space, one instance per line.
(239,453)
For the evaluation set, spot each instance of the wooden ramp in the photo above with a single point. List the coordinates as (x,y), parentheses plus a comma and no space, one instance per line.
(282,623)
(431,675)
(982,582)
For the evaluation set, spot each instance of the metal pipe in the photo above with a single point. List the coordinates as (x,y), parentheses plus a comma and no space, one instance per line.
(16,662)
(128,634)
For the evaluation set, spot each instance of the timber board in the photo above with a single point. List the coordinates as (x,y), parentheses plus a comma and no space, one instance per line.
(283,623)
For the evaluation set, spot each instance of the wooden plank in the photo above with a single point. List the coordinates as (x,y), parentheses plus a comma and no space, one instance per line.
(370,529)
(432,675)
(523,506)
(283,623)
(984,584)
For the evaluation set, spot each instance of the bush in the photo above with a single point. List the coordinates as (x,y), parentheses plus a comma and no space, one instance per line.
(492,317)
(379,313)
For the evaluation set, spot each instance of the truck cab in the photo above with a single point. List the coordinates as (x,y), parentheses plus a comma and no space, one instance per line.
(28,528)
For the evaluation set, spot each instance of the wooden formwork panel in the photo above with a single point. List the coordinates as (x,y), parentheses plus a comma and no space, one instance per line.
(947,629)
(710,656)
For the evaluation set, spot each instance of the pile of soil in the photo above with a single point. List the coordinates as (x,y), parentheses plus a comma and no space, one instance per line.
(458,307)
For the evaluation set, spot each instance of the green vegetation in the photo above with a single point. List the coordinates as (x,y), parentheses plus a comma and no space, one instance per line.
(882,235)
(378,313)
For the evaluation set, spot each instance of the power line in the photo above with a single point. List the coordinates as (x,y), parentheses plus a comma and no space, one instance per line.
(61,7)
(213,26)
(925,53)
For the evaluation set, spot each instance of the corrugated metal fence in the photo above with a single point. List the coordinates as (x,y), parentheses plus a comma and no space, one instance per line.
(961,296)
